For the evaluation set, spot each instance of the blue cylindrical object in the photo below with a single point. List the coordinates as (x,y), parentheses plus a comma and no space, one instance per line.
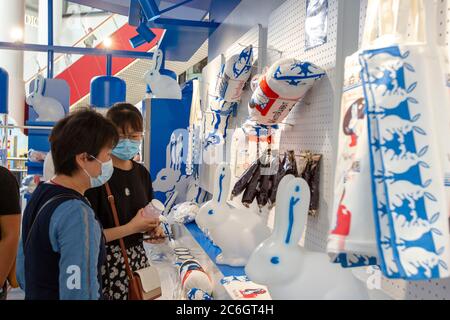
(4,91)
(107,90)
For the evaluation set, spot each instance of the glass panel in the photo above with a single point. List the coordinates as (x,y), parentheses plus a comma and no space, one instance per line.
(95,36)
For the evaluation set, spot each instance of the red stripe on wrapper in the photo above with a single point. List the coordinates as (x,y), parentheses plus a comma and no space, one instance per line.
(269,93)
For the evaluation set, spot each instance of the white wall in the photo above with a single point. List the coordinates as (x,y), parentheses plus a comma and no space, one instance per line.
(245,16)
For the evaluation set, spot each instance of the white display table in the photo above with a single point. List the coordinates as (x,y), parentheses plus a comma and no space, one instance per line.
(162,257)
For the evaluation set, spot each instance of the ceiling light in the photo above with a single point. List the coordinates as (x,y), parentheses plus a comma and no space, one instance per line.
(17,34)
(107,42)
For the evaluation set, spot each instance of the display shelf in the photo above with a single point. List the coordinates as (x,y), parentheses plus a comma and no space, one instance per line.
(164,260)
(38,140)
(34,167)
(212,251)
(40,123)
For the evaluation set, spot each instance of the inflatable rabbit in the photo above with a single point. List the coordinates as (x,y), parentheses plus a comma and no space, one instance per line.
(214,212)
(48,109)
(162,86)
(290,271)
(236,232)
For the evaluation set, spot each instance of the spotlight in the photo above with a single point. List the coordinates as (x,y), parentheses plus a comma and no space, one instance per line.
(150,9)
(145,32)
(137,41)
(17,34)
(145,35)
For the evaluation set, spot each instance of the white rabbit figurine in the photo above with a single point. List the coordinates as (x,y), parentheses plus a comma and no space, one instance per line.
(291,272)
(47,108)
(162,86)
(214,212)
(237,232)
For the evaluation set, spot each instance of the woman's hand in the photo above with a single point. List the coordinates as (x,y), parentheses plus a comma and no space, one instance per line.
(140,223)
(157,236)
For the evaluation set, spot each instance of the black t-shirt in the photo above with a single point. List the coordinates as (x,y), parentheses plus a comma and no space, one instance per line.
(9,194)
(132,191)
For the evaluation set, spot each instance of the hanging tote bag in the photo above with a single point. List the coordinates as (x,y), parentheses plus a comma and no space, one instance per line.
(407,105)
(352,241)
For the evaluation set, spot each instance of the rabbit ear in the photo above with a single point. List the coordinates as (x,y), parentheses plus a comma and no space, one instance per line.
(147,75)
(36,84)
(40,83)
(291,213)
(222,183)
(169,149)
(159,56)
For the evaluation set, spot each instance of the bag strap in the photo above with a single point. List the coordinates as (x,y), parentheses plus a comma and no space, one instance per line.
(117,224)
(430,23)
(400,17)
(371,23)
(386,18)
(58,197)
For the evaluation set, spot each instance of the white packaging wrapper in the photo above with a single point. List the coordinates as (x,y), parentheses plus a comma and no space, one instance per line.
(280,89)
(233,76)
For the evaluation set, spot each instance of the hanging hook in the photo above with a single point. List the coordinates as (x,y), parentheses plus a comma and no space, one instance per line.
(271,49)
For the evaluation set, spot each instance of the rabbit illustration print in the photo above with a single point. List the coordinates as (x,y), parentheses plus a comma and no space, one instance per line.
(173,176)
(47,108)
(290,271)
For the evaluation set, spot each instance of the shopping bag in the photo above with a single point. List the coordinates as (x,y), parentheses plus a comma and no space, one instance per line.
(407,114)
(352,241)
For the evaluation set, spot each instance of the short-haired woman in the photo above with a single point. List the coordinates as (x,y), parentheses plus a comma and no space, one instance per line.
(62,245)
(131,187)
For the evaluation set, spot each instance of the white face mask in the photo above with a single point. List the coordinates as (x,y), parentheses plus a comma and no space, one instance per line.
(105,175)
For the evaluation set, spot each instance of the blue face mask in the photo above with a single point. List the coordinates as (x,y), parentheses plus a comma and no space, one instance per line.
(126,149)
(105,175)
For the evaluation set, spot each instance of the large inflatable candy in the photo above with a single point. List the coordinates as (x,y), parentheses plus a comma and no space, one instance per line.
(195,282)
(280,89)
(234,75)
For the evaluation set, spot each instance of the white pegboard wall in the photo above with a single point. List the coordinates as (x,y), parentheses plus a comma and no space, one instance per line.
(362,19)
(252,37)
(443,21)
(311,122)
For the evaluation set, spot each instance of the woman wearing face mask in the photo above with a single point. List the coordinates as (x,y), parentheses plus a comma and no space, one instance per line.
(131,187)
(62,245)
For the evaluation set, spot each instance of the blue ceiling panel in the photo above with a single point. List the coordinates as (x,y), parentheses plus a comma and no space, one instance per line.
(180,41)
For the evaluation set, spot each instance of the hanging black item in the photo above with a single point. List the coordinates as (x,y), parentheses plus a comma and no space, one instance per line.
(244,181)
(276,180)
(252,189)
(309,170)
